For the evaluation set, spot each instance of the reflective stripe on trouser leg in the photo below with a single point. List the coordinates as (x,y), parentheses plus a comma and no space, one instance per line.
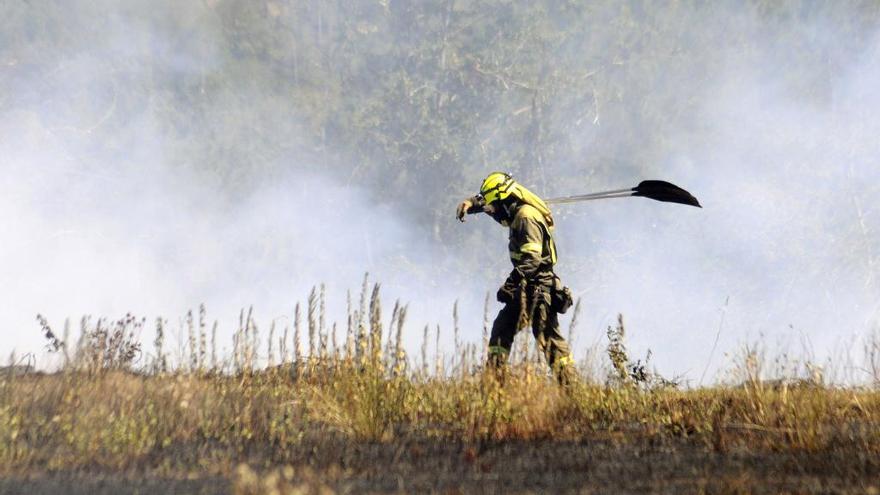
(564,361)
(497,350)
(546,331)
(497,357)
(501,338)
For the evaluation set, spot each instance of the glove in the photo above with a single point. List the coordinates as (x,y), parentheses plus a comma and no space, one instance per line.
(463,208)
(509,292)
(506,294)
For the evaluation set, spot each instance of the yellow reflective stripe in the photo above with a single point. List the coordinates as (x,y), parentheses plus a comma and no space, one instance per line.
(531,247)
(564,361)
(552,252)
(497,349)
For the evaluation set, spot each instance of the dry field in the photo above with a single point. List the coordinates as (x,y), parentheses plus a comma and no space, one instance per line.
(363,417)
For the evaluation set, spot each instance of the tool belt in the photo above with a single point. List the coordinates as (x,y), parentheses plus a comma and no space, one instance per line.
(556,295)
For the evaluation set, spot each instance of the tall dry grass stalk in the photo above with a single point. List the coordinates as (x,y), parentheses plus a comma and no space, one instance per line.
(254,354)
(349,330)
(270,351)
(872,357)
(424,352)
(214,363)
(438,356)
(297,341)
(375,344)
(485,348)
(400,360)
(322,314)
(456,343)
(160,364)
(572,326)
(313,325)
(282,345)
(191,341)
(203,339)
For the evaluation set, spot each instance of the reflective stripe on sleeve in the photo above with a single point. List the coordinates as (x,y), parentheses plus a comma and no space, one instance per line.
(531,247)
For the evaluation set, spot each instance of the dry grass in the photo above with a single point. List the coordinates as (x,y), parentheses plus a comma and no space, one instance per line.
(362,417)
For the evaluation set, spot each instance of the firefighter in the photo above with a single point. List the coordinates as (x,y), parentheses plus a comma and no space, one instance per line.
(532,295)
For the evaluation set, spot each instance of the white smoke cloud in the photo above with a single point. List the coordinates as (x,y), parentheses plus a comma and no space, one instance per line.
(786,246)
(99,217)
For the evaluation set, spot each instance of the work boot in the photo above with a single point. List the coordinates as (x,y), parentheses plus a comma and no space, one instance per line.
(496,363)
(565,371)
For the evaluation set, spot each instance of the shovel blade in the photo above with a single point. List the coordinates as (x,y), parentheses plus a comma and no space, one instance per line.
(667,192)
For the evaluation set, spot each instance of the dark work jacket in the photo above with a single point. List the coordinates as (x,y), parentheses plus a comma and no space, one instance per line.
(531,246)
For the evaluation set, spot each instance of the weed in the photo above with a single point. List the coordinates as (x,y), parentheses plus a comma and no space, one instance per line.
(189,416)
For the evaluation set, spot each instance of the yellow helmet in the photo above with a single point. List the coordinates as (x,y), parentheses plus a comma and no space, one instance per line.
(497,186)
(500,185)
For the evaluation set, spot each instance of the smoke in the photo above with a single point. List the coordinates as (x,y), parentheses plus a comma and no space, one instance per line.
(109,202)
(101,218)
(156,241)
(785,249)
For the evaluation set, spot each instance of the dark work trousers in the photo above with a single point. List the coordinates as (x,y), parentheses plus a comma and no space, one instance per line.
(545,327)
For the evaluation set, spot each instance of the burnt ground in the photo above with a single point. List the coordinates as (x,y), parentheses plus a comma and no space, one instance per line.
(593,466)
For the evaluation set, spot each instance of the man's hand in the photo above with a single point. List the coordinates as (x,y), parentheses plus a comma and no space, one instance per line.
(507,293)
(463,208)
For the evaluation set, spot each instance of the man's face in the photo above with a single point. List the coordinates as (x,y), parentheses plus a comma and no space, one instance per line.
(498,213)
